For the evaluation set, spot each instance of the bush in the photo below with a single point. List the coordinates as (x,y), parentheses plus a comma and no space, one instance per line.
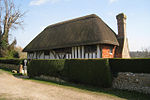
(10,64)
(12,54)
(11,61)
(46,67)
(141,65)
(9,67)
(91,71)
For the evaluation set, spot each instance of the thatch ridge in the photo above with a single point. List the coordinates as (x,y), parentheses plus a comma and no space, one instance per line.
(72,20)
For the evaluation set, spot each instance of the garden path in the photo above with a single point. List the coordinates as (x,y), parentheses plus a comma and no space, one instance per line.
(19,89)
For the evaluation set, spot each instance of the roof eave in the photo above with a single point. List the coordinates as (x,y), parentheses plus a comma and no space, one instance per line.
(71,45)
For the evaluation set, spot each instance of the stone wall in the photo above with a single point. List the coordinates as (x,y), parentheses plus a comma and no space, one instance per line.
(132,82)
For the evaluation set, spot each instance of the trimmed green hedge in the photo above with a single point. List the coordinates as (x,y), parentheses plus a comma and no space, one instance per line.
(139,65)
(87,71)
(46,67)
(90,71)
(11,61)
(9,67)
(10,64)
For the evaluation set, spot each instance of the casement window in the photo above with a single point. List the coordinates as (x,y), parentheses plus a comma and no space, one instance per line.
(90,49)
(63,50)
(46,53)
(111,50)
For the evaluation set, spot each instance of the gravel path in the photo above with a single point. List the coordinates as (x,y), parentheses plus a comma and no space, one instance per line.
(12,88)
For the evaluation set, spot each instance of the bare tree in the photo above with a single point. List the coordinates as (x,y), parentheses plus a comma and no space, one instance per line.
(146,52)
(10,18)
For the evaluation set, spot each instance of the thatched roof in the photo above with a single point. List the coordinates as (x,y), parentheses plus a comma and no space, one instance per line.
(85,30)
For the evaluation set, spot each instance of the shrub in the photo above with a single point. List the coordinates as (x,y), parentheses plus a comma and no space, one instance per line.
(46,67)
(140,65)
(9,67)
(87,71)
(10,64)
(11,61)
(90,71)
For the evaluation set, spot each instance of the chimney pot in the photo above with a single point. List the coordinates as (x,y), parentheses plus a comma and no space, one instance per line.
(121,16)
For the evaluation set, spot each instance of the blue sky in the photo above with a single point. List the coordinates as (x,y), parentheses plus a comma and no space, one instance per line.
(41,13)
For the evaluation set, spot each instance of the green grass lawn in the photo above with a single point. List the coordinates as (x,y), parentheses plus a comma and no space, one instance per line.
(129,95)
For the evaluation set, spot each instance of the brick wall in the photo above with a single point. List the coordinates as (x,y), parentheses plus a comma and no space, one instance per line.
(106,51)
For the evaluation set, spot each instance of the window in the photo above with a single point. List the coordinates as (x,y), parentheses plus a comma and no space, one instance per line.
(90,48)
(111,50)
(46,52)
(101,50)
(63,50)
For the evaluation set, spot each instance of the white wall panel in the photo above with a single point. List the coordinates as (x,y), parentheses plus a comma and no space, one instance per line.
(86,55)
(94,55)
(90,55)
(98,52)
(42,55)
(79,54)
(46,56)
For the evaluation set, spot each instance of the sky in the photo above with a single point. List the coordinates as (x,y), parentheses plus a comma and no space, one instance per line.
(41,13)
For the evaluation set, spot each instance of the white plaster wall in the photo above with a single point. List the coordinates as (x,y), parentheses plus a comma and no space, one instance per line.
(42,55)
(77,52)
(47,57)
(51,56)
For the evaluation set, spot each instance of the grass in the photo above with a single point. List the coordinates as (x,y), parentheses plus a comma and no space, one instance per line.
(0,71)
(130,95)
(5,70)
(5,96)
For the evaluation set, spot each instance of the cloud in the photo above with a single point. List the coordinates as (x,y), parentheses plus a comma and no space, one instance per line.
(112,1)
(39,2)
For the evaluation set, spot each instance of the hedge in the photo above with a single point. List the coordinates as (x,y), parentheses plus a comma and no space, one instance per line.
(87,71)
(46,67)
(10,64)
(9,67)
(95,72)
(11,61)
(136,65)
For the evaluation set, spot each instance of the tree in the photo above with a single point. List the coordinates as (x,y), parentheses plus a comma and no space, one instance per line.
(10,18)
(146,52)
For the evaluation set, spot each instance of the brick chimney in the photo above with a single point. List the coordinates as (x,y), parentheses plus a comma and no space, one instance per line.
(123,50)
(121,22)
